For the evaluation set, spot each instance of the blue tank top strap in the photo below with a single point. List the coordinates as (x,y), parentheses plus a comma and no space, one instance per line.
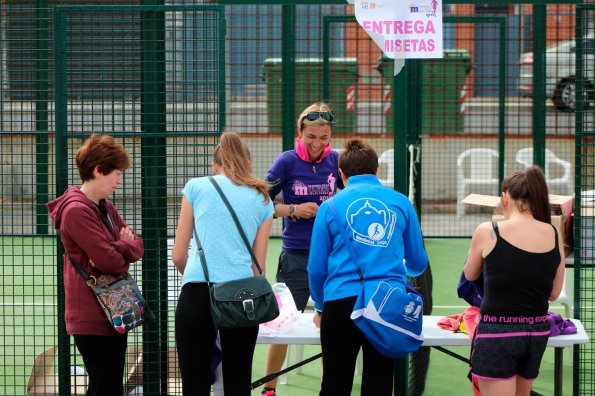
(495,227)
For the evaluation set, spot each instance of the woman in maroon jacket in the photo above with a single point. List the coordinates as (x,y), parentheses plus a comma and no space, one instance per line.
(96,236)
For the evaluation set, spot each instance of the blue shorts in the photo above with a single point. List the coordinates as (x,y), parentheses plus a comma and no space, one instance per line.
(293,271)
(503,351)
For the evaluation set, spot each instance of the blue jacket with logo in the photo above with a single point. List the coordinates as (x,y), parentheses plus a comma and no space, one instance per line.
(384,231)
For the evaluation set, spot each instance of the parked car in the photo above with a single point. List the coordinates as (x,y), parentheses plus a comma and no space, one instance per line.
(560,73)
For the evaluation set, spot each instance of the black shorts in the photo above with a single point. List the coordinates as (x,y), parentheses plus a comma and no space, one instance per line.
(292,270)
(503,351)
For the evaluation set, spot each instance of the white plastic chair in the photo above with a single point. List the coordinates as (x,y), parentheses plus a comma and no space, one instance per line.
(475,167)
(562,184)
(387,161)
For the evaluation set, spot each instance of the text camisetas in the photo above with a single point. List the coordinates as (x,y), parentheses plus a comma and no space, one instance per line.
(404,27)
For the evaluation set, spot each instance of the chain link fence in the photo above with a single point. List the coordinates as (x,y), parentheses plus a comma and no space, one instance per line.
(167,80)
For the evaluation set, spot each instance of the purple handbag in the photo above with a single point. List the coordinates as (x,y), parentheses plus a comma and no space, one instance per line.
(470,291)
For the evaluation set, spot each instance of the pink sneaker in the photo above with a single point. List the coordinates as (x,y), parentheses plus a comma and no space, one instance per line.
(268,392)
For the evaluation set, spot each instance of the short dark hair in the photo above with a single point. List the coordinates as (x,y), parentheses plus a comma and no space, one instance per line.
(358,158)
(102,151)
(530,189)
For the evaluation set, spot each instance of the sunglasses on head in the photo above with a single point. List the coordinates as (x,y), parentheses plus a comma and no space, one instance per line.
(325,115)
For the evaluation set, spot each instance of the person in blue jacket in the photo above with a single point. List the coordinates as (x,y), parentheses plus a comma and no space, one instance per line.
(386,236)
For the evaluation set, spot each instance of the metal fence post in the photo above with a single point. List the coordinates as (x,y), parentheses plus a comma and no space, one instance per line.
(61,185)
(154,193)
(539,34)
(288,77)
(42,71)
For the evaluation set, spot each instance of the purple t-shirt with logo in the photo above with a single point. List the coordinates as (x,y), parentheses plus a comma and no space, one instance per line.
(302,181)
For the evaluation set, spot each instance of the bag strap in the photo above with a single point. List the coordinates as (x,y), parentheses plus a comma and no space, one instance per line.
(80,269)
(201,254)
(335,214)
(235,219)
(76,265)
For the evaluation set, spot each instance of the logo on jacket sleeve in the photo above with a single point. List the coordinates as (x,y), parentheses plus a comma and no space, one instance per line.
(371,221)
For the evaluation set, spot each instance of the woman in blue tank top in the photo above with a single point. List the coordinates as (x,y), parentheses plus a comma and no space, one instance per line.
(522,262)
(203,214)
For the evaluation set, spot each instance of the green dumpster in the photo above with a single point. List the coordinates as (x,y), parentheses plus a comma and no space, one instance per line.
(441,90)
(308,89)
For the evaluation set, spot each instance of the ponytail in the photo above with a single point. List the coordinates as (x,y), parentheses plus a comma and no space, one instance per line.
(530,189)
(538,194)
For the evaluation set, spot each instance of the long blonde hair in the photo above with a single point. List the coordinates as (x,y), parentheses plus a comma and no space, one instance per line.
(233,155)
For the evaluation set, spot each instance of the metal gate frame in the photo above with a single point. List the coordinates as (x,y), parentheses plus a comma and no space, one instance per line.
(413,136)
(153,181)
(583,266)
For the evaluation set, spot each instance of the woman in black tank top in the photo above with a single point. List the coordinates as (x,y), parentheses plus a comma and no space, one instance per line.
(522,265)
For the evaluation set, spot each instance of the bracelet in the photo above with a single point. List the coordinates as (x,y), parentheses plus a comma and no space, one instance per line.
(292,215)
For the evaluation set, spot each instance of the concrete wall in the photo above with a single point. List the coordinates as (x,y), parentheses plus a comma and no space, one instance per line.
(189,157)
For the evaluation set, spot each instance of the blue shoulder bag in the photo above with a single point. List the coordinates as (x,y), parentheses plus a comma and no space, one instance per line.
(389,314)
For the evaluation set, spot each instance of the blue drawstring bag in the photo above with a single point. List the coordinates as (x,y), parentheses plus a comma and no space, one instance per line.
(391,317)
(388,312)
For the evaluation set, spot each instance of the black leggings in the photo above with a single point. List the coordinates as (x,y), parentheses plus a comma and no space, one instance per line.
(195,341)
(104,358)
(341,340)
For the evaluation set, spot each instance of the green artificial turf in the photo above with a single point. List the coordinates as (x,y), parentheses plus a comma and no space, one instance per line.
(28,311)
(446,375)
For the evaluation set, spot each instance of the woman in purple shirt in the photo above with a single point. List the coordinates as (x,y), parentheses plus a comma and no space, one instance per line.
(306,177)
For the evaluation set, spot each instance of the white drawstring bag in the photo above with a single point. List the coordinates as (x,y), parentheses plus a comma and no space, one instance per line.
(288,312)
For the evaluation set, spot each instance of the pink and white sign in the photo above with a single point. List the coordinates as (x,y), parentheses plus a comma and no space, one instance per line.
(403,29)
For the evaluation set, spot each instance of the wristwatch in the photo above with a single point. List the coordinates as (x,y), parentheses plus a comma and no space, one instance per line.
(292,215)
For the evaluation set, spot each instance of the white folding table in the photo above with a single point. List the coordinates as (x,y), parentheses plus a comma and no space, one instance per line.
(305,333)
